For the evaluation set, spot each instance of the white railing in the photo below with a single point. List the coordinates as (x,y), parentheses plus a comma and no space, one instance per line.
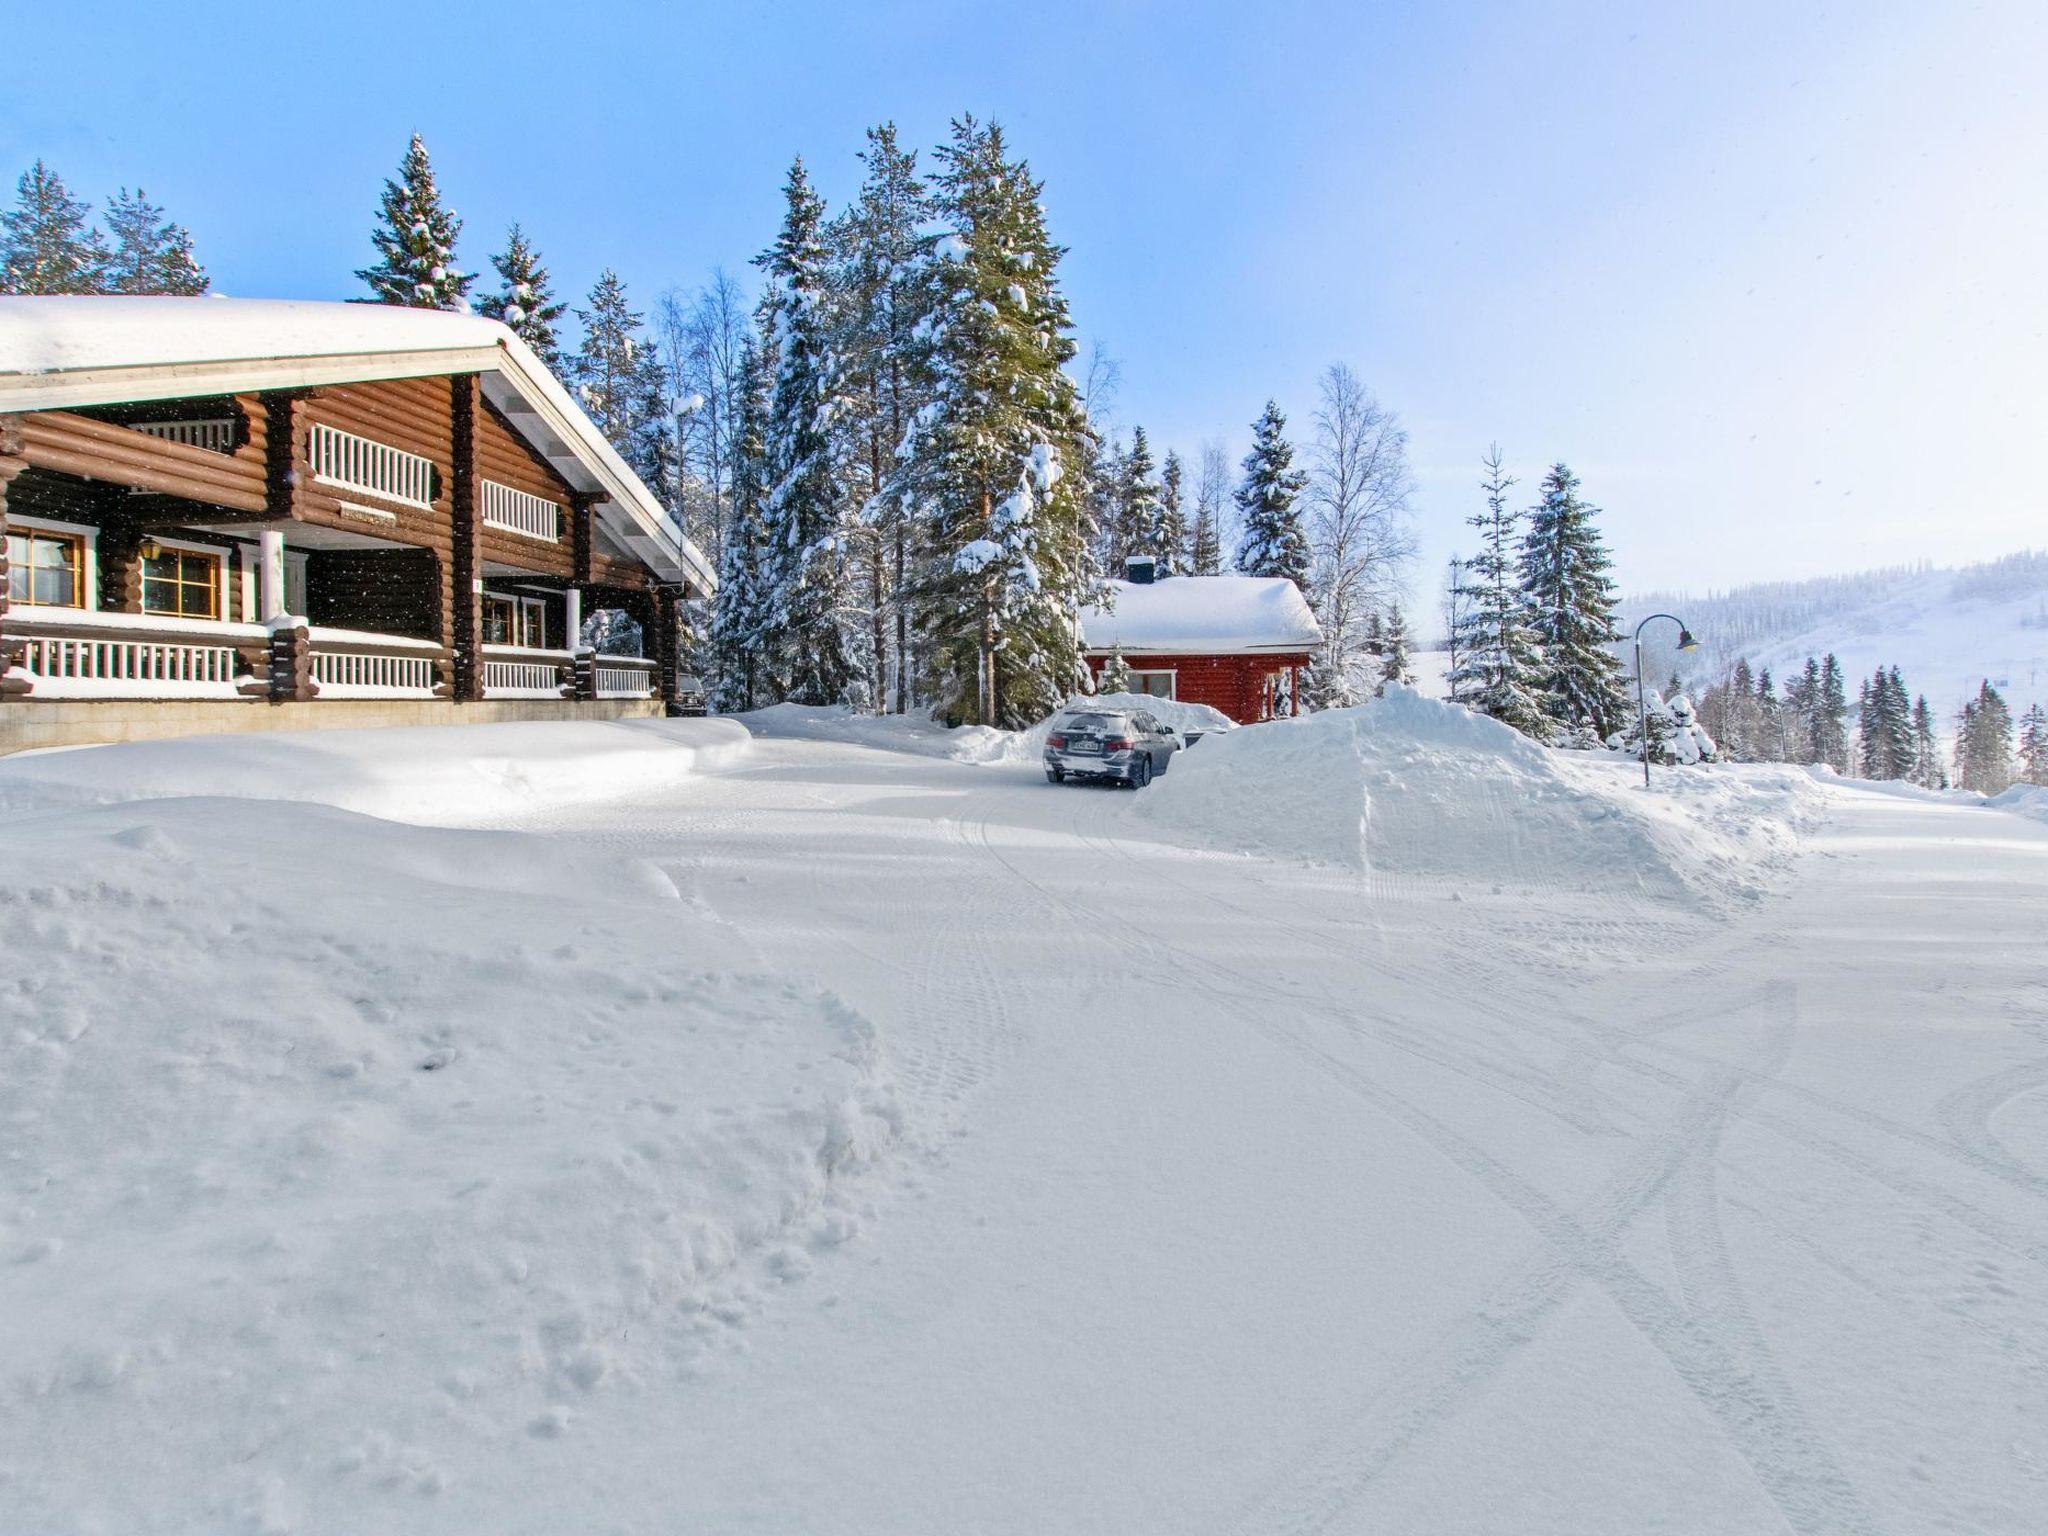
(356,463)
(74,654)
(623,677)
(520,511)
(351,664)
(513,672)
(215,433)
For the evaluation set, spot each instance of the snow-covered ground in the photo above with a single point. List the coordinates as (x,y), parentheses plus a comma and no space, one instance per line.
(822,1133)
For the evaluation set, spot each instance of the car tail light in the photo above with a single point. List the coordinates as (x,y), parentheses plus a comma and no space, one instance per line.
(1056,741)
(1118,744)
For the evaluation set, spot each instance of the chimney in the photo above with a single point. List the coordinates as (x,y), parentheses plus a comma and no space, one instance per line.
(1140,570)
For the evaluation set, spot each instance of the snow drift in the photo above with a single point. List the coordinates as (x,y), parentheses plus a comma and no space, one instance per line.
(433,775)
(1407,786)
(344,1158)
(967,743)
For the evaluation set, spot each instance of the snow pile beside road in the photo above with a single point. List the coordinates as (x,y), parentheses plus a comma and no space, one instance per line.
(344,1160)
(2029,800)
(967,743)
(433,775)
(1408,786)
(891,733)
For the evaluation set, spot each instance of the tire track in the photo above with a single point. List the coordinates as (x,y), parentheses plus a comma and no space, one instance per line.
(1790,1465)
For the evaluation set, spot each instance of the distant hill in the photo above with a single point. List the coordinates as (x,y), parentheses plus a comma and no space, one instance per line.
(1944,628)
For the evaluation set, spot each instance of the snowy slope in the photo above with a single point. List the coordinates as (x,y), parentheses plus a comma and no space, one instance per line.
(1946,630)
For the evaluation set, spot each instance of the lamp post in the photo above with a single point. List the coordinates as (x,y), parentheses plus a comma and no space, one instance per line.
(1685,643)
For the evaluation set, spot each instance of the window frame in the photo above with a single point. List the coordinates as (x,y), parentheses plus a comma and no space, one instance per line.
(1171,674)
(216,586)
(81,563)
(520,604)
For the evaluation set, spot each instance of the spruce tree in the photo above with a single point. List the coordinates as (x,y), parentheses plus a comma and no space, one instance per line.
(1984,743)
(415,241)
(1394,662)
(1139,508)
(1173,519)
(1572,610)
(1742,732)
(884,278)
(1205,534)
(739,615)
(1770,716)
(1006,563)
(1274,541)
(151,254)
(2033,745)
(525,299)
(46,244)
(1499,669)
(1927,767)
(809,505)
(1827,730)
(614,370)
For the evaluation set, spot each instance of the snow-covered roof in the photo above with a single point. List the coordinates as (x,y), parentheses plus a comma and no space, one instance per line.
(1204,615)
(61,352)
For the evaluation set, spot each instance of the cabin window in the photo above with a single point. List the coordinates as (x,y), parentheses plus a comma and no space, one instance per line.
(1157,684)
(515,621)
(184,583)
(46,569)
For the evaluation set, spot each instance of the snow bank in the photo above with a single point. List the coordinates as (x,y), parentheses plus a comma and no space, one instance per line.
(967,743)
(2030,800)
(1408,786)
(434,775)
(892,733)
(348,1162)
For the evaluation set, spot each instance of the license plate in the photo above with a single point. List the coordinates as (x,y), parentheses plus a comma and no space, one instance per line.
(1084,748)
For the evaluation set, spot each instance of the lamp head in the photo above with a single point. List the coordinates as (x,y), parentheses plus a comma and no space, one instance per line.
(1686,642)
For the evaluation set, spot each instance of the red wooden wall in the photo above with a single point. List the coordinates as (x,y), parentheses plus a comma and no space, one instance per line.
(1237,685)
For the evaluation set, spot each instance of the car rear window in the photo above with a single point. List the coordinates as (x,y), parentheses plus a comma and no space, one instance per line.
(1092,723)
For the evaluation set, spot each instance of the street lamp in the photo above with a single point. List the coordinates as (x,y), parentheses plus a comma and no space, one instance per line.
(1685,643)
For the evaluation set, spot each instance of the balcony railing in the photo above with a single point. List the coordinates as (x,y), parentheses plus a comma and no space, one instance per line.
(355,664)
(515,672)
(72,653)
(518,511)
(215,433)
(624,677)
(351,463)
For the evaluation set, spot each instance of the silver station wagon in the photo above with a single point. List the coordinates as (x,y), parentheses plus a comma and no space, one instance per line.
(1120,747)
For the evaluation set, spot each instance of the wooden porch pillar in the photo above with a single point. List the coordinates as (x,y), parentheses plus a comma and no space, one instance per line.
(668,636)
(465,627)
(11,464)
(1294,690)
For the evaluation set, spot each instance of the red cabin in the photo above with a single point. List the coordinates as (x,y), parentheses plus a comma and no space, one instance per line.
(1235,643)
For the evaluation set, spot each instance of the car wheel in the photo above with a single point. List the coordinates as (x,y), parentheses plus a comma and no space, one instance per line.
(1141,774)
(1054,776)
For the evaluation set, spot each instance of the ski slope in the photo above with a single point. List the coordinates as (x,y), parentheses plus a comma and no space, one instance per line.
(1947,630)
(821,1137)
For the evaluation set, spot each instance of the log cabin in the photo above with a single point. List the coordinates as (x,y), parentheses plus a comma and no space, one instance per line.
(225,514)
(1235,643)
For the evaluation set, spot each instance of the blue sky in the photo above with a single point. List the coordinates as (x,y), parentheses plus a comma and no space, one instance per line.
(1773,277)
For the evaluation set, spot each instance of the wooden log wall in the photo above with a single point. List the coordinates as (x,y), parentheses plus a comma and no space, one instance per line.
(465,635)
(71,443)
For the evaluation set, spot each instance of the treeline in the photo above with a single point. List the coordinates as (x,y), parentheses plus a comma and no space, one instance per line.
(1890,735)
(49,243)
(905,490)
(1532,618)
(906,495)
